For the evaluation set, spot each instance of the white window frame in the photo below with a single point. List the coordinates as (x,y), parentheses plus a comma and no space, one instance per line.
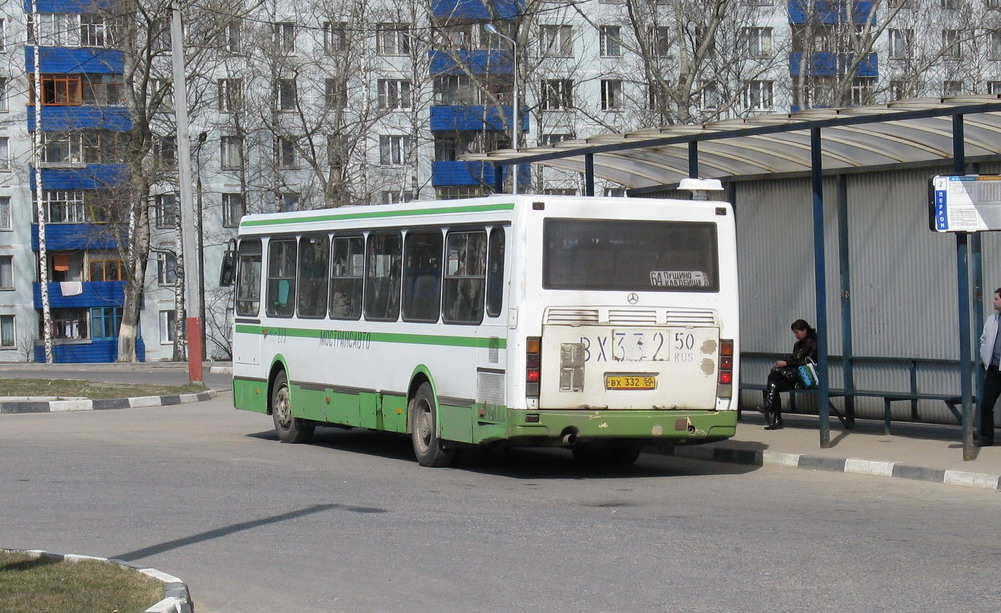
(167,322)
(286,95)
(233,34)
(394,149)
(6,272)
(994,87)
(557,94)
(610,41)
(5,340)
(555,40)
(395,94)
(230,94)
(230,152)
(612,98)
(952,44)
(5,223)
(285,152)
(168,210)
(900,43)
(758,42)
(393,39)
(759,95)
(93,31)
(166,269)
(284,36)
(335,37)
(232,203)
(4,91)
(4,153)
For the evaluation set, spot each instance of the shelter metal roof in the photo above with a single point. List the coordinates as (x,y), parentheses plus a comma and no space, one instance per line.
(907,131)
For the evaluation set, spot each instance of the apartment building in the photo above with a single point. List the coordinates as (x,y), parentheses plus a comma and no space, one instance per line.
(309,105)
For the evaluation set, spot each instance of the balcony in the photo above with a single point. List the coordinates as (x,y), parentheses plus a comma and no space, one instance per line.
(474,118)
(829,11)
(74,236)
(88,176)
(476,9)
(68,118)
(827,64)
(479,61)
(74,60)
(472,173)
(92,294)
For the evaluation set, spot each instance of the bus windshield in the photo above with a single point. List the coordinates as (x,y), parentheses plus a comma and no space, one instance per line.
(630,255)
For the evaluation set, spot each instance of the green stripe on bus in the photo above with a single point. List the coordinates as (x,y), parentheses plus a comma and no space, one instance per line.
(479,208)
(336,336)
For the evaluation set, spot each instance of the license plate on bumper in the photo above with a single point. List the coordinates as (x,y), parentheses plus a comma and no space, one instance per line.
(630,382)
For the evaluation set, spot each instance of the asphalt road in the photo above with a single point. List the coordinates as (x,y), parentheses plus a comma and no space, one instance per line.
(351,523)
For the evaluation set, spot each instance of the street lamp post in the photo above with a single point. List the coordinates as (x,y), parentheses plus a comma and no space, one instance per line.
(515,127)
(202,137)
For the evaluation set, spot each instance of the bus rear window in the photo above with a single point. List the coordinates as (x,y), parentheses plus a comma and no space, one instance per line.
(630,255)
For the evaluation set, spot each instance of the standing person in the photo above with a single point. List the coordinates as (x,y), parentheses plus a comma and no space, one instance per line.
(990,356)
(785,373)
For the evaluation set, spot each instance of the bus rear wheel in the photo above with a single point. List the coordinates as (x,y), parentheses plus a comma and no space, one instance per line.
(424,430)
(290,429)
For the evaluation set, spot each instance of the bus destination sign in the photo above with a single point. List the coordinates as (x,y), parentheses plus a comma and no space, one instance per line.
(965,203)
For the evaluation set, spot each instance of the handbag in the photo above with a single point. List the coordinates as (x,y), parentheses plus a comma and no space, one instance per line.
(808,375)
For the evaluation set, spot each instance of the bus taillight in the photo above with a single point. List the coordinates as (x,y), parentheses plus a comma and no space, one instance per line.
(533,366)
(725,362)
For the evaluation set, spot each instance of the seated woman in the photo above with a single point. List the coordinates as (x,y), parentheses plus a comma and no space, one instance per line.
(785,373)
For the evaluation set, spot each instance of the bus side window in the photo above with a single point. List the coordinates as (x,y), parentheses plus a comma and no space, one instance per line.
(495,274)
(422,276)
(465,271)
(314,253)
(248,278)
(346,274)
(382,276)
(281,278)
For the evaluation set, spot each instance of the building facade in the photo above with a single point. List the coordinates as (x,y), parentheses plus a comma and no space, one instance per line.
(297,106)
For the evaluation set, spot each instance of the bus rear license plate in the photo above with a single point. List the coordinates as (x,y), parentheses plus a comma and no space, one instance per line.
(630,382)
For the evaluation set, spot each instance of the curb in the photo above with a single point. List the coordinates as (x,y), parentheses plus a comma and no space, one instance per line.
(59,406)
(176,598)
(857,466)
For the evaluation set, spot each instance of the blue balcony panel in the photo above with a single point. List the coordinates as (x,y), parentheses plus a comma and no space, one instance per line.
(830,11)
(68,6)
(66,60)
(445,174)
(485,10)
(478,61)
(474,118)
(90,176)
(70,236)
(63,118)
(95,294)
(825,64)
(88,352)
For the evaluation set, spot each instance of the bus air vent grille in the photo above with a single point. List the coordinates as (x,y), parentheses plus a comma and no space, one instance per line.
(695,318)
(632,317)
(572,316)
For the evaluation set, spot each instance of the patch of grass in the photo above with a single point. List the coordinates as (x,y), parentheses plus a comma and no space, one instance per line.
(29,584)
(61,388)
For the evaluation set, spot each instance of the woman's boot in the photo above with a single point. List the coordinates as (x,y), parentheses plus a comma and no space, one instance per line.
(774,404)
(766,406)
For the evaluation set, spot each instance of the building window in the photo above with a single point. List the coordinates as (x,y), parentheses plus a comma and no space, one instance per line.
(111,269)
(758,41)
(285,153)
(288,201)
(62,148)
(4,153)
(711,97)
(93,31)
(104,322)
(3,34)
(231,152)
(6,272)
(758,95)
(103,90)
(57,90)
(165,151)
(4,86)
(994,87)
(393,149)
(452,90)
(394,94)
(64,206)
(900,43)
(557,41)
(230,95)
(396,196)
(168,320)
(952,47)
(335,37)
(557,94)
(233,41)
(993,46)
(611,95)
(550,140)
(951,88)
(284,36)
(335,93)
(393,39)
(7,331)
(285,95)
(660,40)
(900,90)
(166,210)
(5,213)
(610,38)
(166,269)
(862,90)
(232,210)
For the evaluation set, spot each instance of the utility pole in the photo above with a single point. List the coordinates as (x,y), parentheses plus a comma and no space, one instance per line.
(192,297)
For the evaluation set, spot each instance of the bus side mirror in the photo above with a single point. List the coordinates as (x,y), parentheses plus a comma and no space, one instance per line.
(227,269)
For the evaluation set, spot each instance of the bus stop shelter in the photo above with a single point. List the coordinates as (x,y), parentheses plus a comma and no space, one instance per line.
(960,130)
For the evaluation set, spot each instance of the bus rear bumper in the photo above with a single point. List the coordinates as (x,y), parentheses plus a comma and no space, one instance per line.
(677,426)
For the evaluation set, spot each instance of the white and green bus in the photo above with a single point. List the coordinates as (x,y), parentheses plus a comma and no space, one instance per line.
(598,324)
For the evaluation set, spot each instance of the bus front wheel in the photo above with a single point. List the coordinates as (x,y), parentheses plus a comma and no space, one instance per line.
(290,429)
(424,431)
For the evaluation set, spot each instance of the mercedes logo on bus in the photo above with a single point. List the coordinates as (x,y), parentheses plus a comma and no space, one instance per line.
(633,298)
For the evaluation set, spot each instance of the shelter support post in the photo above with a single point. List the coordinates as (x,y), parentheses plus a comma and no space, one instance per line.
(498,179)
(820,282)
(693,159)
(589,174)
(847,349)
(963,274)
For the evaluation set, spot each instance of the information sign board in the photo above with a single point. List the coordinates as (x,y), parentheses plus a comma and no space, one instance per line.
(969,203)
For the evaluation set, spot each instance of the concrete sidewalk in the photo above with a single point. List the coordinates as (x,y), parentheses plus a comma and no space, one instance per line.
(925,452)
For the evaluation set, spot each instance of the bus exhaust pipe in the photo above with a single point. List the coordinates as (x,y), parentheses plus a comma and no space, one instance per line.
(569,436)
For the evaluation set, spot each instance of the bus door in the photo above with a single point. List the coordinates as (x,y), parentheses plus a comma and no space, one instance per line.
(246,339)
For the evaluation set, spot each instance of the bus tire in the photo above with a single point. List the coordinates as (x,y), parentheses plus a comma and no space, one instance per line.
(424,430)
(290,429)
(619,455)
